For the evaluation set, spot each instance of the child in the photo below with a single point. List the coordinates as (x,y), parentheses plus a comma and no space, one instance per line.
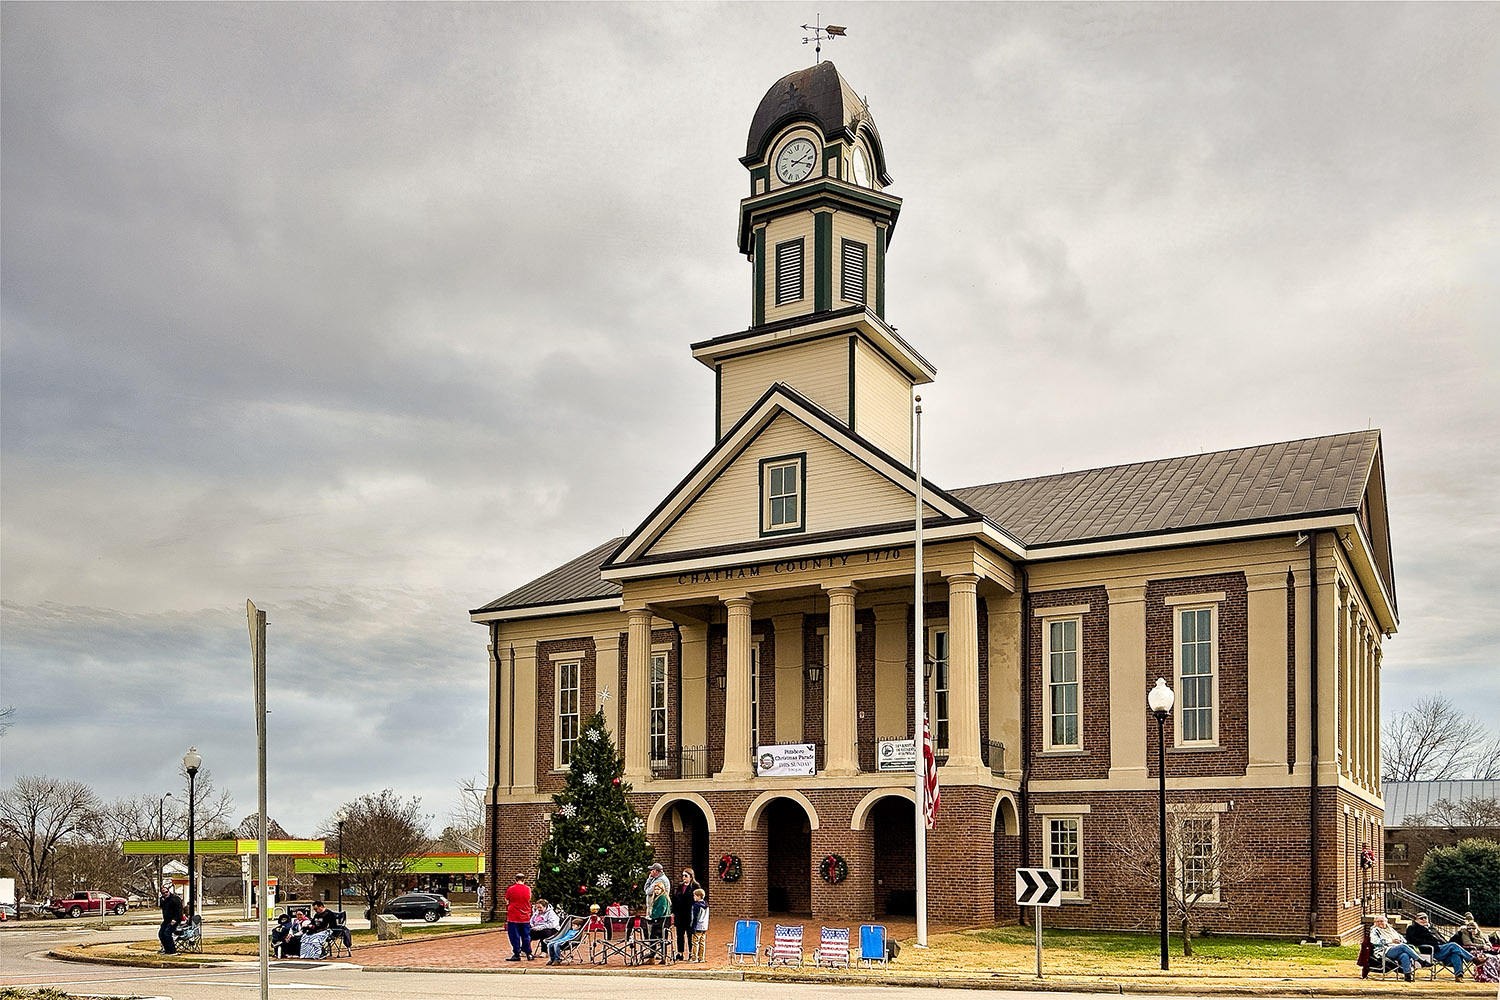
(697,927)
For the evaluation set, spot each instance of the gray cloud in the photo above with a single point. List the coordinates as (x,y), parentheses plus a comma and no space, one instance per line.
(372,313)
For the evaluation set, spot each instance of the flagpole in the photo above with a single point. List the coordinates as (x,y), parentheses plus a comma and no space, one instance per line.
(919,710)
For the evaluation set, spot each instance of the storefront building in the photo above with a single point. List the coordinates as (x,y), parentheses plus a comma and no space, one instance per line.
(768,602)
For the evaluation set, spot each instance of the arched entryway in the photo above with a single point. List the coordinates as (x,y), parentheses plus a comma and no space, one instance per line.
(892,826)
(788,830)
(679,834)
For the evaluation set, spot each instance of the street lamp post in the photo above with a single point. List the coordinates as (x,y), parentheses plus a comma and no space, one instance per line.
(339,816)
(1160,700)
(191,762)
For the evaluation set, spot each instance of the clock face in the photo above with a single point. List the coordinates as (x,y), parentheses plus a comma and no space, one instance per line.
(861,167)
(796,159)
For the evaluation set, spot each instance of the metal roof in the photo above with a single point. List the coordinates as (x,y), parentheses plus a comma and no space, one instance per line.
(1263,483)
(1238,486)
(1406,799)
(575,580)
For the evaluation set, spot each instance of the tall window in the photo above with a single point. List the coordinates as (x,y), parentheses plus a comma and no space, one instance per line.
(567,710)
(1064,690)
(1197,845)
(754,698)
(658,708)
(1197,660)
(937,648)
(782,483)
(1064,838)
(789,271)
(852,284)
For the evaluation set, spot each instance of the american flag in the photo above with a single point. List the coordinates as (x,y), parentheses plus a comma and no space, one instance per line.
(930,796)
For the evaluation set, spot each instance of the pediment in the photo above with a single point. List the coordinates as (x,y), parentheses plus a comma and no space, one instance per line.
(850,484)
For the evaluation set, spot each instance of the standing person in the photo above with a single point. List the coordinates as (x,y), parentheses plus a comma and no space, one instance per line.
(682,909)
(658,906)
(518,919)
(171,916)
(699,926)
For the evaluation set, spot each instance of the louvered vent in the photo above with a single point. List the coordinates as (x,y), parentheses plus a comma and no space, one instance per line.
(789,271)
(853,272)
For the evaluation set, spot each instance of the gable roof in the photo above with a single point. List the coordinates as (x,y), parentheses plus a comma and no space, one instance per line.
(1262,484)
(1321,475)
(779,399)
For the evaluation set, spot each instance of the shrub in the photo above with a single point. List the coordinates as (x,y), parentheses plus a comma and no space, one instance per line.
(1473,865)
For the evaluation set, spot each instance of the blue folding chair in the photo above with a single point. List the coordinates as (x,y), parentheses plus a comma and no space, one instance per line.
(746,944)
(872,944)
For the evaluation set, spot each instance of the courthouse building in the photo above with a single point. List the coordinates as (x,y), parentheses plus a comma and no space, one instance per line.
(760,621)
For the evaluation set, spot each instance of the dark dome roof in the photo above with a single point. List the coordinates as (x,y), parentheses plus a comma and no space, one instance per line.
(818,95)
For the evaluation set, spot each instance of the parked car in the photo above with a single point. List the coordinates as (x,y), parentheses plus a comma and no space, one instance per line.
(94,902)
(8,911)
(427,905)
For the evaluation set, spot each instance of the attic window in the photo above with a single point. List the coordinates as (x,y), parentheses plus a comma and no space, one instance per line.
(783,485)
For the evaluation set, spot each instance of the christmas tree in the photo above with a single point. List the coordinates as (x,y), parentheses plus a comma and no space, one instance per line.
(597,852)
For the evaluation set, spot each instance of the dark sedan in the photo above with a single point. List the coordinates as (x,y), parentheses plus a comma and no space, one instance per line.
(427,905)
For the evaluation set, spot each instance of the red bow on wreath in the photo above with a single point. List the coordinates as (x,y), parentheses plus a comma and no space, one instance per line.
(1367,858)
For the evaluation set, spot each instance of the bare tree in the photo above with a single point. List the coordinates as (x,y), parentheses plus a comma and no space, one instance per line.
(383,835)
(283,867)
(7,718)
(1451,815)
(1487,761)
(1208,856)
(37,816)
(466,819)
(1432,741)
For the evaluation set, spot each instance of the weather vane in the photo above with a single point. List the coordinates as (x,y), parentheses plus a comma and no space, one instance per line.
(821,31)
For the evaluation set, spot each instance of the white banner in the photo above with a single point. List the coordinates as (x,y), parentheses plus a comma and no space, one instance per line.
(787,760)
(896,755)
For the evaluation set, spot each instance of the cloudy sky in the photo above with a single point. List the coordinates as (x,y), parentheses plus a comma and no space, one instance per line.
(373,313)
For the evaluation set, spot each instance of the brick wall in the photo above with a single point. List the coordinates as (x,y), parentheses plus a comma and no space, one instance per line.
(1093,721)
(1233,709)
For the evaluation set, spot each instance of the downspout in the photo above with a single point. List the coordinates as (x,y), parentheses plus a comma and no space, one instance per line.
(1025,802)
(491,824)
(1312,788)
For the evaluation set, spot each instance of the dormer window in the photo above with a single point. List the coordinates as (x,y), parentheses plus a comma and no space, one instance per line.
(783,485)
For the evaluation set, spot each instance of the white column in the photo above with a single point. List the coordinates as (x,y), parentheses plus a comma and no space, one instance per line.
(638,699)
(524,738)
(788,678)
(607,675)
(1266,655)
(1128,723)
(840,729)
(737,747)
(963,672)
(695,686)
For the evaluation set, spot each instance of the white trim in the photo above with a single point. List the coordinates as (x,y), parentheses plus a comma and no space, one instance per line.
(1215,707)
(571,654)
(1197,536)
(1062,611)
(548,610)
(1178,875)
(666,717)
(918,368)
(558,763)
(1202,807)
(1047,849)
(1217,597)
(1046,680)
(1061,810)
(930,649)
(768,522)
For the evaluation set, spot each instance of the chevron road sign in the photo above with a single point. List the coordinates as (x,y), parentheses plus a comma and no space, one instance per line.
(1038,887)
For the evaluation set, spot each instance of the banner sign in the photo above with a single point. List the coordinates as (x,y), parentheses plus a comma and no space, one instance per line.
(787,760)
(896,755)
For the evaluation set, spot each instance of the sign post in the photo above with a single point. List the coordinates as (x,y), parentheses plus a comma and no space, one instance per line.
(1038,887)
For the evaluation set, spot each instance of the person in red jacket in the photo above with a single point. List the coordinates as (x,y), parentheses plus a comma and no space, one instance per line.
(518,919)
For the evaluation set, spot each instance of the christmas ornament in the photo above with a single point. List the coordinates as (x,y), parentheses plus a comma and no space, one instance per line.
(604,881)
(574,857)
(614,781)
(595,735)
(590,779)
(582,889)
(603,850)
(834,869)
(569,810)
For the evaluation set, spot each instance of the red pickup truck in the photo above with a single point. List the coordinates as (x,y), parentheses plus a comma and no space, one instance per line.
(80,903)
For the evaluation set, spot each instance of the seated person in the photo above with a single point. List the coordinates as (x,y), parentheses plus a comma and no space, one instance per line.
(544,922)
(324,919)
(1420,935)
(1470,937)
(564,938)
(279,934)
(1387,944)
(313,942)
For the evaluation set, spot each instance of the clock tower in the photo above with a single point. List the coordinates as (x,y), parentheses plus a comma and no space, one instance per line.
(815,229)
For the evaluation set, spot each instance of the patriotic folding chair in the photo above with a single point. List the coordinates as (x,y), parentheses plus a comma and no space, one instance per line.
(872,944)
(745,947)
(788,945)
(833,948)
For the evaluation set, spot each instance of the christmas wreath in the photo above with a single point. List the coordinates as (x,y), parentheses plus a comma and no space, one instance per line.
(834,869)
(730,868)
(1367,858)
